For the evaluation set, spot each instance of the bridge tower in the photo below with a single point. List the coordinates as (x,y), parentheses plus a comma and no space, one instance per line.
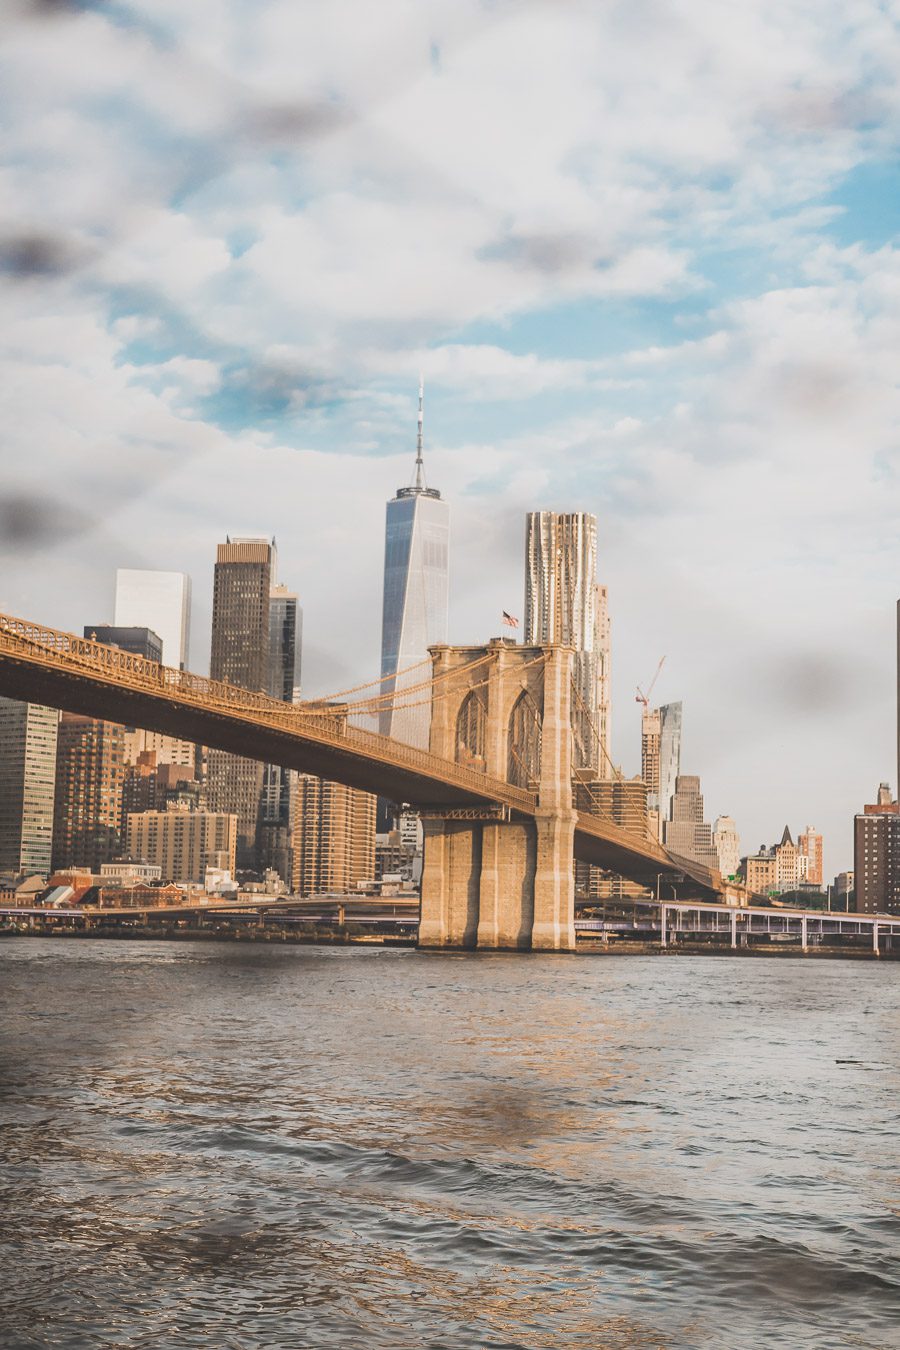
(490,880)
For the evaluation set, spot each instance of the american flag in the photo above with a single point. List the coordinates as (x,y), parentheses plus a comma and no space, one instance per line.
(509,620)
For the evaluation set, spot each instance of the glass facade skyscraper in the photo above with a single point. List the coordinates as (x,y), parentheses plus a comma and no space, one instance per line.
(160,601)
(669,756)
(416,595)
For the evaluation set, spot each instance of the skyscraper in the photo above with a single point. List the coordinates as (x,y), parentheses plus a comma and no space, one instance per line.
(240,654)
(28,735)
(564,604)
(285,643)
(157,600)
(876,855)
(240,621)
(650,729)
(334,836)
(810,845)
(416,593)
(275,823)
(686,834)
(669,756)
(90,773)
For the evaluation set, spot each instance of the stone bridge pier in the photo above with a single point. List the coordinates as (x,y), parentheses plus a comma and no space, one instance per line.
(490,880)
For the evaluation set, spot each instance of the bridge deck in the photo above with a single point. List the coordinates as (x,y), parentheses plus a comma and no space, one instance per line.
(43,665)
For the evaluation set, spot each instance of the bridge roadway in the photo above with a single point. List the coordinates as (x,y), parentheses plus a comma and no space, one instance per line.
(60,670)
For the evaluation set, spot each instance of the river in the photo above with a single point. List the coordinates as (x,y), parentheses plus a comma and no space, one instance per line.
(238,1146)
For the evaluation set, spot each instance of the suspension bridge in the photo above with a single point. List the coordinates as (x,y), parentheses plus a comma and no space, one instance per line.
(496,788)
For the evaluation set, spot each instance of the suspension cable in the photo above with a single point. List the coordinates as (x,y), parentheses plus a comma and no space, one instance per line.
(382,701)
(354,689)
(391,695)
(616,772)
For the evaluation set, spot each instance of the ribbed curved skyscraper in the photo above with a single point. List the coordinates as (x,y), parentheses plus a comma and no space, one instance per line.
(564,604)
(416,594)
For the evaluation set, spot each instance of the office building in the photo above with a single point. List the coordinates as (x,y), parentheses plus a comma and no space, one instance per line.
(182,844)
(139,641)
(90,773)
(809,844)
(660,760)
(276,801)
(876,855)
(760,871)
(334,837)
(669,756)
(153,786)
(416,596)
(285,644)
(160,601)
(240,655)
(28,735)
(787,869)
(563,604)
(727,843)
(165,749)
(686,834)
(650,729)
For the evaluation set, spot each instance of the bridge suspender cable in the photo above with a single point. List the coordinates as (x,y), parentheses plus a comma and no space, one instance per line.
(392,675)
(392,695)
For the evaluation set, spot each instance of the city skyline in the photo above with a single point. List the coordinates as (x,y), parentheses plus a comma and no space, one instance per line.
(240,542)
(666,348)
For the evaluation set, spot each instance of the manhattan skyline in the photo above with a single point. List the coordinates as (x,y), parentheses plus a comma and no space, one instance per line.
(697,351)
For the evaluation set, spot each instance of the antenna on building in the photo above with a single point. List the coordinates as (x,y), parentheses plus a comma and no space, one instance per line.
(420,464)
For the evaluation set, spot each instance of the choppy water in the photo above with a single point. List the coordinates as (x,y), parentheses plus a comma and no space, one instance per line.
(215,1145)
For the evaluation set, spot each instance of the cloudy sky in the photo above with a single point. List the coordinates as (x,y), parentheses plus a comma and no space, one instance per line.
(645,252)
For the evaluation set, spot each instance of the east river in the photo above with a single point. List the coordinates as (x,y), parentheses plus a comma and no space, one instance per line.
(233,1146)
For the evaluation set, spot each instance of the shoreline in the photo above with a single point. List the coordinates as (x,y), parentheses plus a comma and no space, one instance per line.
(780,952)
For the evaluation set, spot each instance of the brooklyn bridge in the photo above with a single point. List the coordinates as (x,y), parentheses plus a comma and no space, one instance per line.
(504,813)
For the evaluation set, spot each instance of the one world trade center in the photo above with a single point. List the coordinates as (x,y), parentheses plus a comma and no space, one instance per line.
(414,614)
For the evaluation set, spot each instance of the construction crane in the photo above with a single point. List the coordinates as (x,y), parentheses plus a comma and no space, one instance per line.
(640,696)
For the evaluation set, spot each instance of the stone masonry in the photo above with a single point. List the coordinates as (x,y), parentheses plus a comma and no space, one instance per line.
(498,882)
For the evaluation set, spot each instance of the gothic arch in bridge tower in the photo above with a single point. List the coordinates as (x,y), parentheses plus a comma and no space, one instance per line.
(523,740)
(471,729)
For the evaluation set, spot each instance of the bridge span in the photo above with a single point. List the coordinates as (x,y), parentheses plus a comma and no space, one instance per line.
(463,805)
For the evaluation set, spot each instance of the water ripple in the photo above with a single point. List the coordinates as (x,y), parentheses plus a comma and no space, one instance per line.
(334,1148)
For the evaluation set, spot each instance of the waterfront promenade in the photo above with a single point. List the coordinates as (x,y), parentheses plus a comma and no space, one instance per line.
(669,926)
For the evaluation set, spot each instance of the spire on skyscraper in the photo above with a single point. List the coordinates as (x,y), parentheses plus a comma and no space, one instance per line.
(420,464)
(419,487)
